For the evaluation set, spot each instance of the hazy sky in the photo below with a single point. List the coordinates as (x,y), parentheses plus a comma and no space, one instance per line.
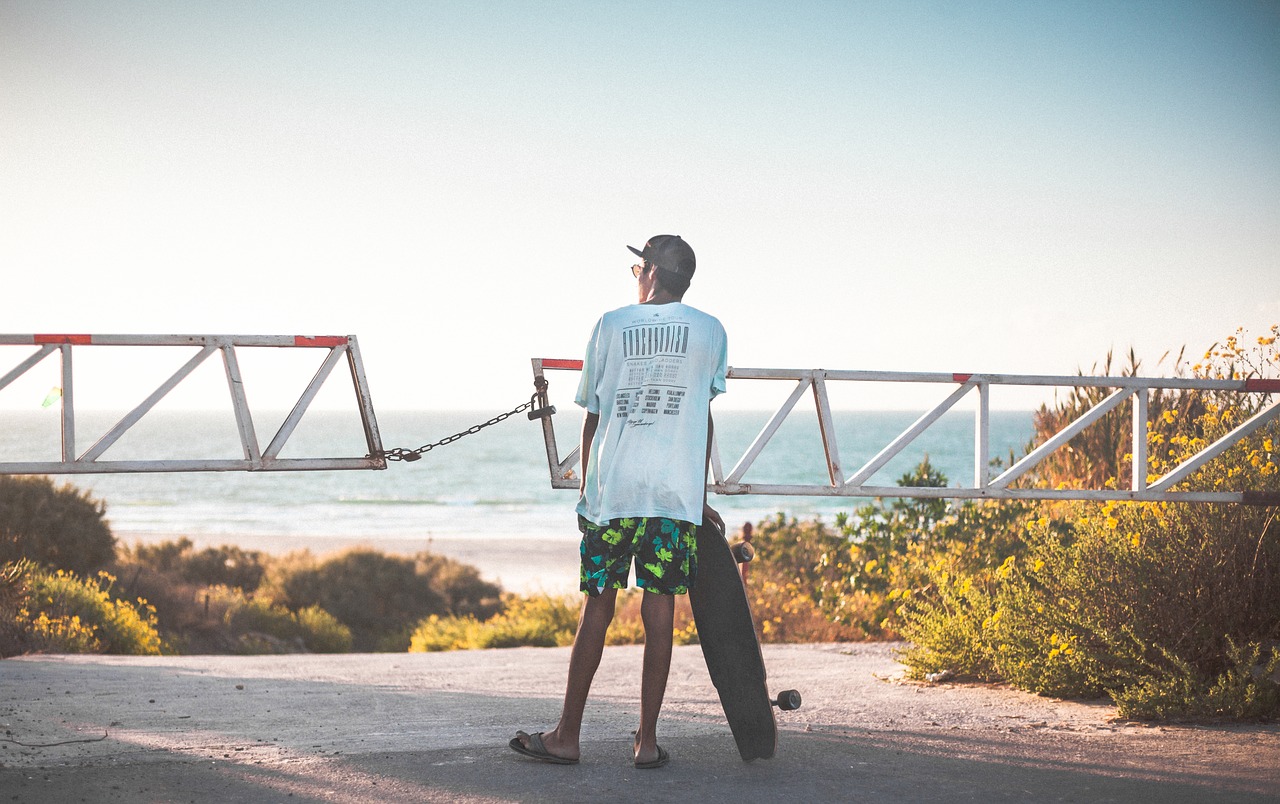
(951,186)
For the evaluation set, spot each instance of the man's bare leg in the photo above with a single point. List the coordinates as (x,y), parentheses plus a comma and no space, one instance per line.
(658,613)
(584,660)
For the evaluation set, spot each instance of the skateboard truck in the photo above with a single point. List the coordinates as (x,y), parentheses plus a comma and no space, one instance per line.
(787,700)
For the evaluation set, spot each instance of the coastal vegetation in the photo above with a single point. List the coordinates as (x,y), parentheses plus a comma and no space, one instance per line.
(542,621)
(55,526)
(1171,609)
(172,598)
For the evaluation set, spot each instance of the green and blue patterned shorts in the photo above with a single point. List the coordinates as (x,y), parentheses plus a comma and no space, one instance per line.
(665,550)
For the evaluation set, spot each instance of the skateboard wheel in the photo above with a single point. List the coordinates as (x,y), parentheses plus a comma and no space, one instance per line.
(788,700)
(743,552)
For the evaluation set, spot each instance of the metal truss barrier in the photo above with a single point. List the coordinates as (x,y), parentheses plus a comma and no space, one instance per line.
(255,458)
(814,382)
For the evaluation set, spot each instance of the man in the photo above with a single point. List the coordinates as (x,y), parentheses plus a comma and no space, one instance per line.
(650,372)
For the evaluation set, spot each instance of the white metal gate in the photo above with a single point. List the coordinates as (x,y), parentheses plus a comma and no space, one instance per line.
(812,382)
(255,457)
(955,387)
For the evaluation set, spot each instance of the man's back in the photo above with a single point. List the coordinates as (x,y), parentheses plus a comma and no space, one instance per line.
(650,373)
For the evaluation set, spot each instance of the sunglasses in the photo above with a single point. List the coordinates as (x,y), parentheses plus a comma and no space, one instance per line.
(638,269)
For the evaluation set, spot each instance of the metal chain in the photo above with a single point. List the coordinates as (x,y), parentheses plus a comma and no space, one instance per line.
(410,455)
(400,454)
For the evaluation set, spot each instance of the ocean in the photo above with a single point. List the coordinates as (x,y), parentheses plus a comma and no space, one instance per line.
(485,499)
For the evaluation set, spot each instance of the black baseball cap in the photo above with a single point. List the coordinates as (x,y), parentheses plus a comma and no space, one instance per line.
(669,253)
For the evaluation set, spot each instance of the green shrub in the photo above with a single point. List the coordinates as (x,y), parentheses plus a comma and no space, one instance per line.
(225,565)
(226,599)
(182,608)
(543,621)
(460,585)
(322,632)
(380,597)
(946,621)
(799,586)
(261,627)
(190,590)
(537,621)
(436,633)
(1248,689)
(60,527)
(15,589)
(813,582)
(1146,602)
(60,612)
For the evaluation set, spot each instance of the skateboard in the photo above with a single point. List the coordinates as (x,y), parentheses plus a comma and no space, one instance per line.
(730,646)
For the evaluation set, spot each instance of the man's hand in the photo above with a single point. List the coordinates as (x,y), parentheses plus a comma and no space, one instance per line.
(712,517)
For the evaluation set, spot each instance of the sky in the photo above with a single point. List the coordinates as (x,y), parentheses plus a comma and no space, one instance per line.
(1010,187)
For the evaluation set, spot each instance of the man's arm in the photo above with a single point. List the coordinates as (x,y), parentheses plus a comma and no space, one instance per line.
(709,513)
(589,424)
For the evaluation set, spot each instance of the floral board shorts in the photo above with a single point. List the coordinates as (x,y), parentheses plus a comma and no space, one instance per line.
(665,550)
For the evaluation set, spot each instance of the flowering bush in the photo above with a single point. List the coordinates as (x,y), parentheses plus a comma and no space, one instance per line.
(1171,608)
(814,582)
(58,612)
(537,620)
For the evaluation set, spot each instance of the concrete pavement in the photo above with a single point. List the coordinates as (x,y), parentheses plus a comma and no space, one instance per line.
(434,727)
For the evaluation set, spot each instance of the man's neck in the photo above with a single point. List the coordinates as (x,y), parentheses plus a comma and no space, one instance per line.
(659,296)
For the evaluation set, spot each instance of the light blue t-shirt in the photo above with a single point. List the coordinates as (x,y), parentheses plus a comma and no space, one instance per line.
(651,371)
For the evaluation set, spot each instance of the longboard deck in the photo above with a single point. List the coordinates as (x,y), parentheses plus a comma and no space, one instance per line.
(730,646)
